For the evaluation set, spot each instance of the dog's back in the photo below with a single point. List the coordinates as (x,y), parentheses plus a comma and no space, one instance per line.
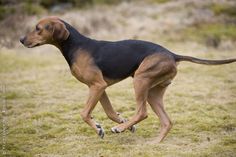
(118,60)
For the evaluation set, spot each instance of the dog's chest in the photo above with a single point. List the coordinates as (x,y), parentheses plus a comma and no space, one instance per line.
(83,68)
(77,72)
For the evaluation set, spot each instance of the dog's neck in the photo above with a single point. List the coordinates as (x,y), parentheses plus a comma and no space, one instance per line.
(74,42)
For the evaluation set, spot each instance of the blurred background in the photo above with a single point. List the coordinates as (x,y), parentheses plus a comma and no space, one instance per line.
(211,23)
(40,100)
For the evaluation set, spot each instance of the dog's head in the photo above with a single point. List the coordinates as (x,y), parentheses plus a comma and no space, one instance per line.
(50,30)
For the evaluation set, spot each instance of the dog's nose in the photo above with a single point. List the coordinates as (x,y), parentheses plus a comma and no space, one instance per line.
(22,39)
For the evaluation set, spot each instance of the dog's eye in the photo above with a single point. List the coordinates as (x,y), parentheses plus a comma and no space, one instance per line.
(47,27)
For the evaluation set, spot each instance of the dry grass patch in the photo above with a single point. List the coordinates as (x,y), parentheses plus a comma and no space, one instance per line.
(44,100)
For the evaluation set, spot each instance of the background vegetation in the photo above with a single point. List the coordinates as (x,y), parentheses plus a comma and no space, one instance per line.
(42,100)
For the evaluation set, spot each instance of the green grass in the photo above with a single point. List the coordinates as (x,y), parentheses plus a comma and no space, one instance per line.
(160,1)
(43,102)
(224,9)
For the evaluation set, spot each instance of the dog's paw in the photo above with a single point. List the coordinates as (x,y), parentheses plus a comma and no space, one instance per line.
(132,128)
(101,132)
(115,130)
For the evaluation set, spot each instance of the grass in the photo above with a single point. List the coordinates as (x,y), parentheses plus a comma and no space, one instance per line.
(43,102)
(210,34)
(224,9)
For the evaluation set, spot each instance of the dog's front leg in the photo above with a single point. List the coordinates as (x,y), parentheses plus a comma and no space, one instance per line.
(95,92)
(114,116)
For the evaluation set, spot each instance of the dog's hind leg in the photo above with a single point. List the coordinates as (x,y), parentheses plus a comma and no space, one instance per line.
(141,90)
(154,70)
(114,116)
(155,99)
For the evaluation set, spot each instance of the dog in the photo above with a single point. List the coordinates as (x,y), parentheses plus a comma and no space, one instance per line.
(100,64)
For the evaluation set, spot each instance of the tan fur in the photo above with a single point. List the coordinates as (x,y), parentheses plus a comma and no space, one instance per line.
(84,69)
(57,30)
(106,104)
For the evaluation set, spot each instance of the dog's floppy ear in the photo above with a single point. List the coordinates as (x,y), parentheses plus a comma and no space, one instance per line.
(60,31)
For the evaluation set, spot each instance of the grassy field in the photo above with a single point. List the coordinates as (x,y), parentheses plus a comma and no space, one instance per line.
(42,102)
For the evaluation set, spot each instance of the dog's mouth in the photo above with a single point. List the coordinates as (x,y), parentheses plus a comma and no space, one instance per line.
(32,45)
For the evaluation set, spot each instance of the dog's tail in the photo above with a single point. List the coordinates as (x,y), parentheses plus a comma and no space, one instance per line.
(179,58)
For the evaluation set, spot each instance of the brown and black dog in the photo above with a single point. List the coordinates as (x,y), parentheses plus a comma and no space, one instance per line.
(100,64)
